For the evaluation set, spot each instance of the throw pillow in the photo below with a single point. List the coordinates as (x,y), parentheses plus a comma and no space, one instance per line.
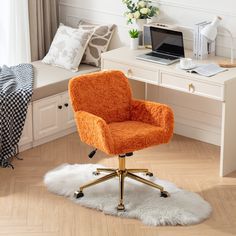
(68,47)
(98,43)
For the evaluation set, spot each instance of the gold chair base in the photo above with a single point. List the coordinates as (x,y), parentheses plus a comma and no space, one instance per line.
(121,173)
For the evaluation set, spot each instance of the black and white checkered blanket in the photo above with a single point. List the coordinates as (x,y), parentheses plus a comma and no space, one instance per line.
(16,88)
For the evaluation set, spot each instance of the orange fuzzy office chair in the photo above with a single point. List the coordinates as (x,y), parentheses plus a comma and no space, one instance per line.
(110,120)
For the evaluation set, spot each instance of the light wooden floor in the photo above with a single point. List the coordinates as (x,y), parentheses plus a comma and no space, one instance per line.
(27,208)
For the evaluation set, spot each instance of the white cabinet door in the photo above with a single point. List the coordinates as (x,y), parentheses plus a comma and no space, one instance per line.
(47,114)
(27,134)
(68,113)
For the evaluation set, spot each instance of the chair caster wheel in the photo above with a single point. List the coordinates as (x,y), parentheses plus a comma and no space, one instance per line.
(96,173)
(78,194)
(150,174)
(165,194)
(121,207)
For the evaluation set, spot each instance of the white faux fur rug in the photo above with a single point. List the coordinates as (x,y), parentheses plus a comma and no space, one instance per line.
(141,202)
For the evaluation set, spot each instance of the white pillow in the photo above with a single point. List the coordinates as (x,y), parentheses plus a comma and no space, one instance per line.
(68,47)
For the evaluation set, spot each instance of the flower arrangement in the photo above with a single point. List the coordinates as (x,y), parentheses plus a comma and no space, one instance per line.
(133,33)
(140,9)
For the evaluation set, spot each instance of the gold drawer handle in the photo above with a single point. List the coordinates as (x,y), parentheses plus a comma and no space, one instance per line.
(129,73)
(191,88)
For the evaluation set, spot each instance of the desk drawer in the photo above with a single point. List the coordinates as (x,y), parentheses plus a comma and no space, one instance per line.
(192,86)
(133,72)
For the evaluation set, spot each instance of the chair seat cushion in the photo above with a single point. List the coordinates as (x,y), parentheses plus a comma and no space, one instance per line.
(130,136)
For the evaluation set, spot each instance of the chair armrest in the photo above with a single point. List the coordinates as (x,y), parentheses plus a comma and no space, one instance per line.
(94,131)
(153,113)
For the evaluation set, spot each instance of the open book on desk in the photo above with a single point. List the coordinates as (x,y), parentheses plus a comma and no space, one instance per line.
(207,70)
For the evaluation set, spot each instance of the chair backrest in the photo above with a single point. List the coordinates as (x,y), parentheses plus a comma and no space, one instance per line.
(106,94)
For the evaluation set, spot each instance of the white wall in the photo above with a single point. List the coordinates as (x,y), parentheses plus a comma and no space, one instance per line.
(181,12)
(193,115)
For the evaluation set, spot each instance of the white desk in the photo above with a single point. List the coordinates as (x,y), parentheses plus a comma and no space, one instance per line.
(221,87)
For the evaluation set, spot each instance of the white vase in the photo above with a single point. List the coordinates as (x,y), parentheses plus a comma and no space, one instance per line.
(140,23)
(153,19)
(134,43)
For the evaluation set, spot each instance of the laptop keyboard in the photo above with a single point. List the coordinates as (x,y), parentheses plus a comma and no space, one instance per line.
(167,57)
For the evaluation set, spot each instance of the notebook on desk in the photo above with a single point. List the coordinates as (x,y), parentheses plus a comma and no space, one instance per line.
(167,46)
(208,70)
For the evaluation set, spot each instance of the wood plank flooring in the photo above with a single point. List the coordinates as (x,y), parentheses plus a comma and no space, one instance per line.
(28,209)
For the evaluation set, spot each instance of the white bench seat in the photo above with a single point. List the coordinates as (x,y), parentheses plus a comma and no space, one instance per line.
(50,80)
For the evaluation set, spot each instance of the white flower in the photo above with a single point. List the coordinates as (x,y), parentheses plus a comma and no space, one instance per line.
(130,16)
(144,11)
(136,15)
(142,4)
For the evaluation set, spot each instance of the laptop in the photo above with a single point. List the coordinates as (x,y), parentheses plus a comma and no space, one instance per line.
(167,46)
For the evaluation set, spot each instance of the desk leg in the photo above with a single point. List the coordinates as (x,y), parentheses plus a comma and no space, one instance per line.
(228,134)
(146,91)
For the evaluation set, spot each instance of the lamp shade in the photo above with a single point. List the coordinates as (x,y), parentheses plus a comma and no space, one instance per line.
(210,31)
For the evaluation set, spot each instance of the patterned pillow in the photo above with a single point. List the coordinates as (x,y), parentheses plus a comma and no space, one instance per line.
(68,47)
(98,43)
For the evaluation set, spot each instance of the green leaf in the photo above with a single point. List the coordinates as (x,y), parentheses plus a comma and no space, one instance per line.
(134,33)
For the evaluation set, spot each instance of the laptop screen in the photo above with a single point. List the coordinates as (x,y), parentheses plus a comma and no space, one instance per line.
(167,41)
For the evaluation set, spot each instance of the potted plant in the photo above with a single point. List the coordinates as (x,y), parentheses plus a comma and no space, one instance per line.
(139,11)
(134,39)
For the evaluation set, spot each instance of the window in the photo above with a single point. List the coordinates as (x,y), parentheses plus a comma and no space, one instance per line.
(14,32)
(4,17)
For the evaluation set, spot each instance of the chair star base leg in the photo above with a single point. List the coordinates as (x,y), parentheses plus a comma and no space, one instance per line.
(100,170)
(144,181)
(98,181)
(109,170)
(146,171)
(138,170)
(121,173)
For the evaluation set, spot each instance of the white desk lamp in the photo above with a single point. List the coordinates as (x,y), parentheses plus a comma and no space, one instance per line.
(210,33)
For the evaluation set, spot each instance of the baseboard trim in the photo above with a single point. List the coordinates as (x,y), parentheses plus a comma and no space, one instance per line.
(41,141)
(54,136)
(25,147)
(198,134)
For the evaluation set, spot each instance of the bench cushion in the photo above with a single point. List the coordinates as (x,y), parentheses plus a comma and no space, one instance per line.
(50,80)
